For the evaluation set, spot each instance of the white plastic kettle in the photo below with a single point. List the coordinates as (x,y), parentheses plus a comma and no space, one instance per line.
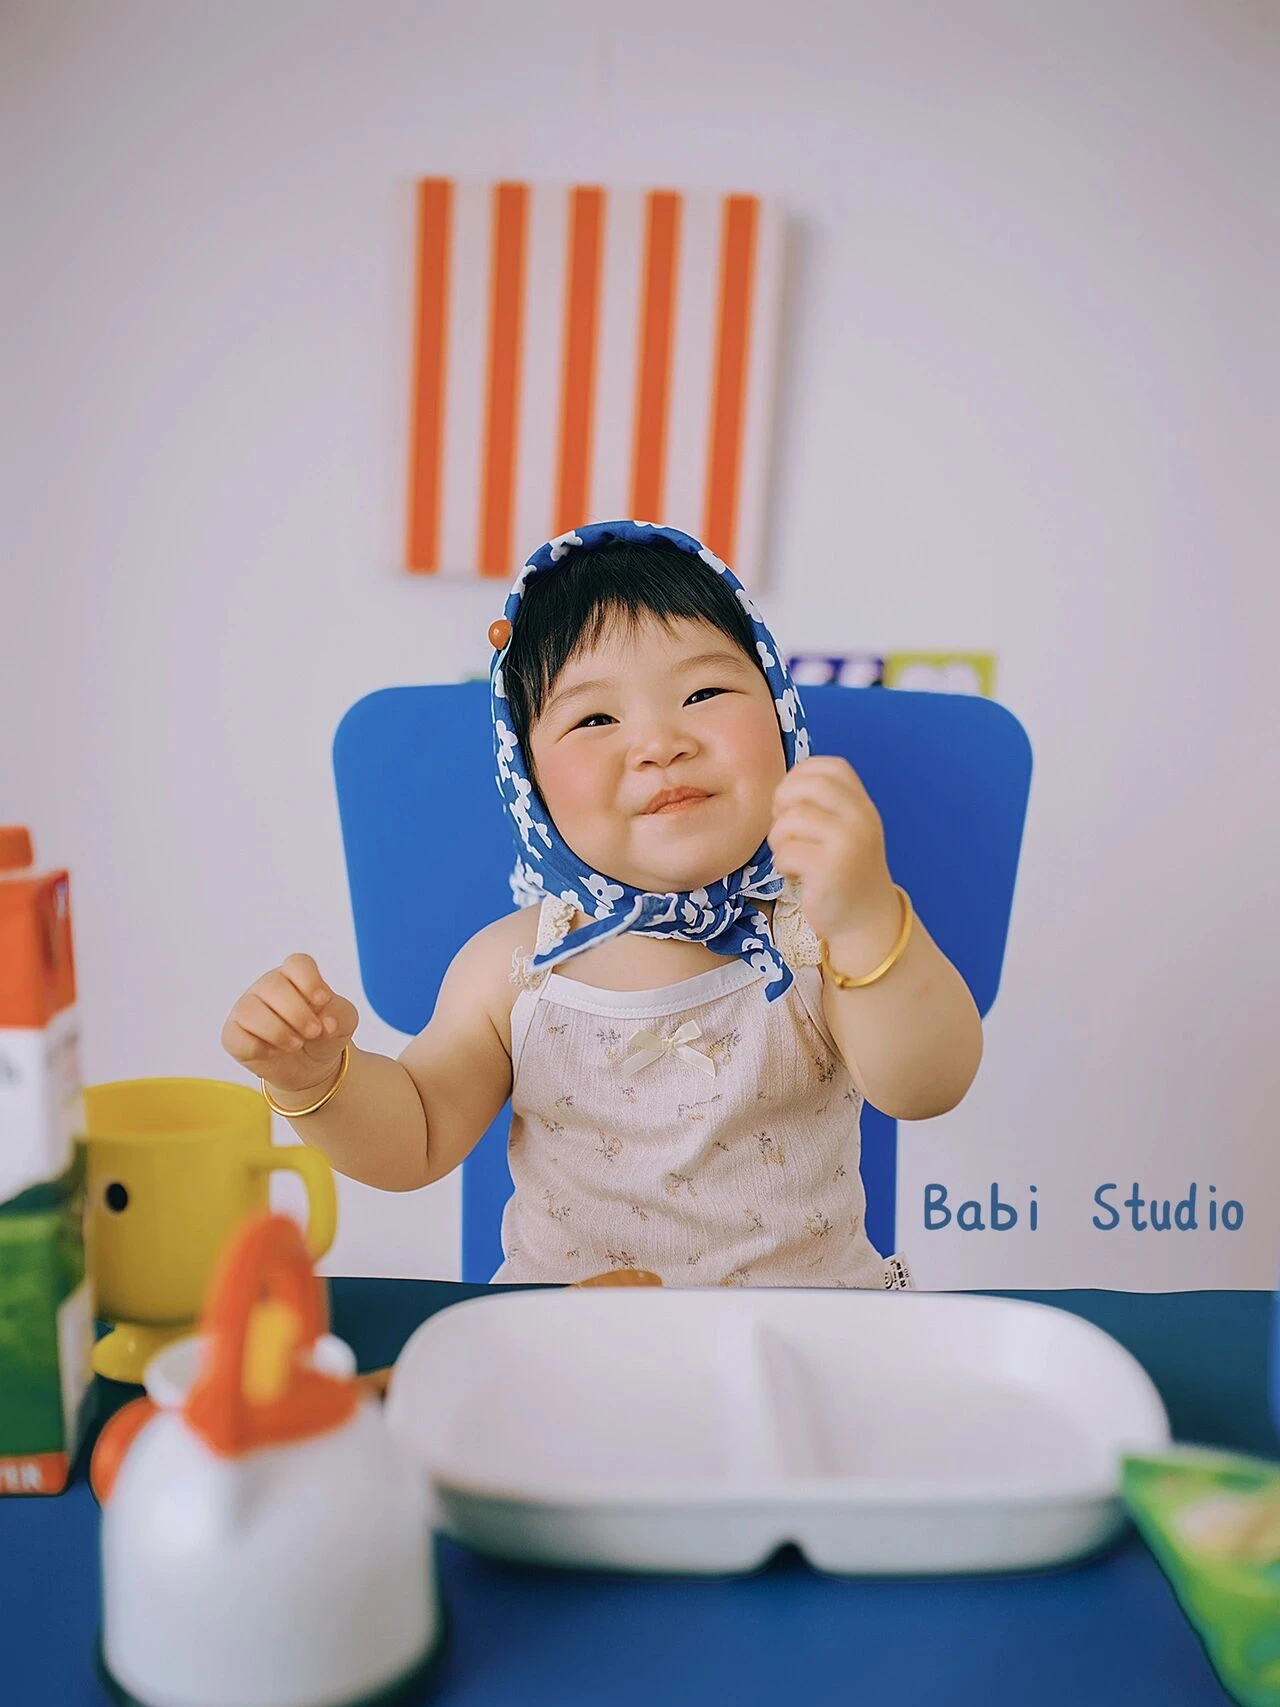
(267,1545)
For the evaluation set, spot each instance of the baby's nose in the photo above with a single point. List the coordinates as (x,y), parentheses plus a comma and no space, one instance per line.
(662,742)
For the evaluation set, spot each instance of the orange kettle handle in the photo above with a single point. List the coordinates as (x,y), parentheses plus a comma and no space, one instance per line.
(267,1258)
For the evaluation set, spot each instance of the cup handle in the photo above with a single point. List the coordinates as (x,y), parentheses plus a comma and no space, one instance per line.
(322,1197)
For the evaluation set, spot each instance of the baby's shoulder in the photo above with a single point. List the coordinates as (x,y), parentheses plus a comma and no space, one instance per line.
(518,930)
(496,948)
(478,980)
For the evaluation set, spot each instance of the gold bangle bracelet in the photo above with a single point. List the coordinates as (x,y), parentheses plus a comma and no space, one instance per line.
(295,1113)
(894,954)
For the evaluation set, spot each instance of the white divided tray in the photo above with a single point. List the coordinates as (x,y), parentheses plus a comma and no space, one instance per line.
(696,1431)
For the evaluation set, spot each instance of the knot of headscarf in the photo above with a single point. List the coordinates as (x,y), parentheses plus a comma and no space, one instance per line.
(721,915)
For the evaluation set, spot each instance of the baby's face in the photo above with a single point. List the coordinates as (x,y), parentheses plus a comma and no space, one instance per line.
(640,715)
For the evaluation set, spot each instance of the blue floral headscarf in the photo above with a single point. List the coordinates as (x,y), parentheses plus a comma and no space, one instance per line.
(721,915)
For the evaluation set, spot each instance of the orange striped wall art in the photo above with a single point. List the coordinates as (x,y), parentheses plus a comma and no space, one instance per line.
(582,354)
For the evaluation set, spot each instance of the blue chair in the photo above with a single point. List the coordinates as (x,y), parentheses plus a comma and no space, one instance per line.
(429,852)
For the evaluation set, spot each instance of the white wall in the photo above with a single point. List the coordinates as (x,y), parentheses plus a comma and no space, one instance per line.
(1028,405)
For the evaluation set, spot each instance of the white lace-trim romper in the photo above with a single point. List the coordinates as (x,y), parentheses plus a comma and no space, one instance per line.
(730,1157)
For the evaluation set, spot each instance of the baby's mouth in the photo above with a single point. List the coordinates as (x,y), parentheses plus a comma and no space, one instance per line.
(675,800)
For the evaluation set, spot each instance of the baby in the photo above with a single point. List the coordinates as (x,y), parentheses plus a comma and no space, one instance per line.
(710,966)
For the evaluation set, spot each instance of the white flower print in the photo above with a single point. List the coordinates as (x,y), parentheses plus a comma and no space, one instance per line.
(802,745)
(499,686)
(527,824)
(562,546)
(667,915)
(699,914)
(605,894)
(786,709)
(526,886)
(713,562)
(744,599)
(506,746)
(766,657)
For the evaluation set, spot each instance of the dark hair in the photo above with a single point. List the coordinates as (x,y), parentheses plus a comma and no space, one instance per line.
(569,607)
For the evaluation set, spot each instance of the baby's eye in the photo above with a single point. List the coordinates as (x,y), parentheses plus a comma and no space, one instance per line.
(596,719)
(695,696)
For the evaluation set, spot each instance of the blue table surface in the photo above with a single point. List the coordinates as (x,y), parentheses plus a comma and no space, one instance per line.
(1108,1631)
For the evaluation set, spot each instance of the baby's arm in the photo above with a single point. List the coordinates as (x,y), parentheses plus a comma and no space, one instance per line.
(912,1041)
(401,1124)
(912,1038)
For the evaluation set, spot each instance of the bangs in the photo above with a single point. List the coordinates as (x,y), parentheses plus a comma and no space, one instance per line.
(618,584)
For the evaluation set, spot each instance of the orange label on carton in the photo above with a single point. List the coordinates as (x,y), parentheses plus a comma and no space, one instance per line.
(37,969)
(41,1473)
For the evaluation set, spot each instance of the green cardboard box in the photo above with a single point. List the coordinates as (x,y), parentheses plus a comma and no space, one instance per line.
(46,1334)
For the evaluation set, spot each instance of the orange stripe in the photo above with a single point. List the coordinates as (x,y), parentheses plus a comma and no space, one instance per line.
(510,230)
(435,220)
(581,327)
(653,378)
(728,409)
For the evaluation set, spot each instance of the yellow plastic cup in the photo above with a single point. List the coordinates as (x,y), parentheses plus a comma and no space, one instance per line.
(174,1167)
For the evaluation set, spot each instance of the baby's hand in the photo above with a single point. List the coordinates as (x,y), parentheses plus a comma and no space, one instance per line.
(289,1028)
(827,833)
